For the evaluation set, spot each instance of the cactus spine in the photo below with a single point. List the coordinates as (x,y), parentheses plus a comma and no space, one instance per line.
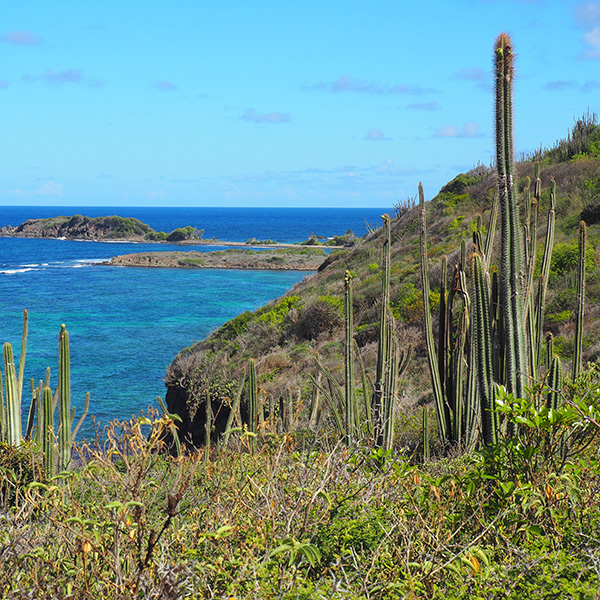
(511,251)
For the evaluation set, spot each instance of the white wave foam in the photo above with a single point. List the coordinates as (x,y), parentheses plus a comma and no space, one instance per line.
(13,271)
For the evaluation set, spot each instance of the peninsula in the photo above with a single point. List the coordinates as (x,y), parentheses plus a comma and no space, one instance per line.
(295,259)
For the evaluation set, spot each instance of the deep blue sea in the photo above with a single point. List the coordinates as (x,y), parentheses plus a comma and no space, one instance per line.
(127,324)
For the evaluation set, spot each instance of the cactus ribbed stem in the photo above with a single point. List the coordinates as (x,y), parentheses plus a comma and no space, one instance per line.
(350,396)
(64,400)
(544,275)
(46,424)
(554,383)
(511,248)
(577,350)
(252,397)
(483,344)
(441,408)
(382,350)
(13,400)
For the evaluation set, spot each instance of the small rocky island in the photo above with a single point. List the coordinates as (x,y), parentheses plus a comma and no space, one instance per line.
(307,256)
(295,259)
(79,227)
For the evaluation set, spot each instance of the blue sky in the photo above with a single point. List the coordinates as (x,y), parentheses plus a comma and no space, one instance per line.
(272,103)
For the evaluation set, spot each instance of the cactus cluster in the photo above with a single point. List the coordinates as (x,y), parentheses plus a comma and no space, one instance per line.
(40,421)
(501,313)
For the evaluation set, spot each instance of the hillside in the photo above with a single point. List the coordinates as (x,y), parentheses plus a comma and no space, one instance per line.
(285,336)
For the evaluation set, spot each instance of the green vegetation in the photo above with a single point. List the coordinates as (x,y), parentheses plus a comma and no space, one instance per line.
(40,420)
(324,473)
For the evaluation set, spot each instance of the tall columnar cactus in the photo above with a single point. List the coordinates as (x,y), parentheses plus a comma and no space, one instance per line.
(554,383)
(483,345)
(442,409)
(64,400)
(10,417)
(538,313)
(13,400)
(66,414)
(580,300)
(350,396)
(46,427)
(252,397)
(378,408)
(511,269)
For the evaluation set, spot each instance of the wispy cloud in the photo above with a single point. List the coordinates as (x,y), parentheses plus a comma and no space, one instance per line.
(51,188)
(469,130)
(357,86)
(165,86)
(376,135)
(561,86)
(424,106)
(272,117)
(554,86)
(469,74)
(389,167)
(57,78)
(21,38)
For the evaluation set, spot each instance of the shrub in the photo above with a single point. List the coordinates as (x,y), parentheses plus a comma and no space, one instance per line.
(19,466)
(316,318)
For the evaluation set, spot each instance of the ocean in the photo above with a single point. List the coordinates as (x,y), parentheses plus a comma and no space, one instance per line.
(127,324)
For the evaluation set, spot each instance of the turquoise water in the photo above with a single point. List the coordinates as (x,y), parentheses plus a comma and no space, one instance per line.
(127,324)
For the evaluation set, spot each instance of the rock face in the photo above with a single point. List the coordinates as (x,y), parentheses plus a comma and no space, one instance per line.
(81,228)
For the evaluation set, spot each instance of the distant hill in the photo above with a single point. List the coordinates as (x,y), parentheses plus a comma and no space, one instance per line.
(79,227)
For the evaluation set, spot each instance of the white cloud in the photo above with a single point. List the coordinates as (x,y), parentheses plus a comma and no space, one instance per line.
(51,188)
(469,130)
(447,131)
(165,86)
(376,135)
(346,83)
(592,40)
